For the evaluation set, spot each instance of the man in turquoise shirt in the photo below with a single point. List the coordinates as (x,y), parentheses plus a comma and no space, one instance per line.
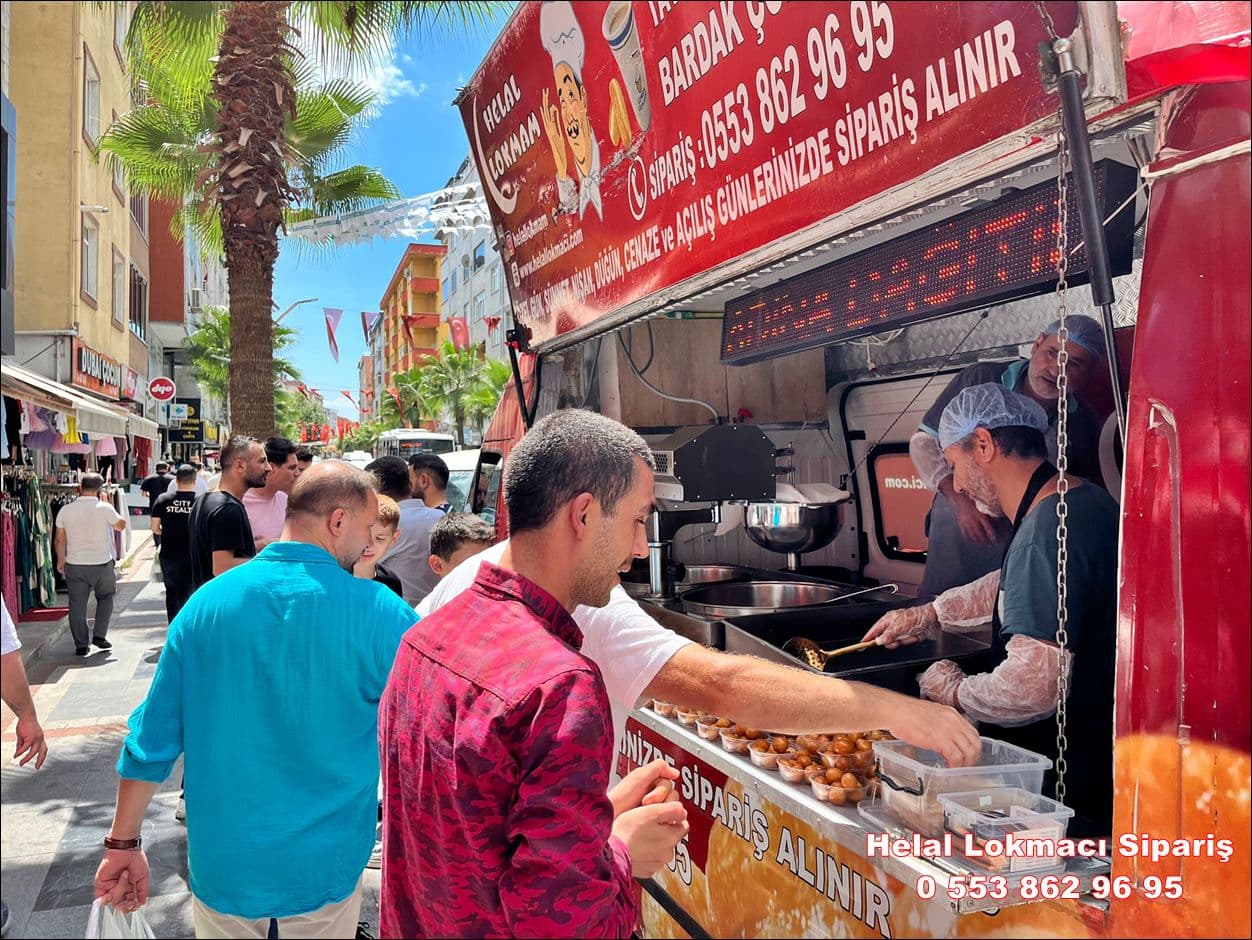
(269,683)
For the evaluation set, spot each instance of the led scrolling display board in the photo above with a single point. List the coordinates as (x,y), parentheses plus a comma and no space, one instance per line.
(985,256)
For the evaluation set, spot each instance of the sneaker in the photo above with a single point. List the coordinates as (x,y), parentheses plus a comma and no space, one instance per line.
(4,919)
(180,811)
(376,856)
(82,650)
(102,643)
(363,930)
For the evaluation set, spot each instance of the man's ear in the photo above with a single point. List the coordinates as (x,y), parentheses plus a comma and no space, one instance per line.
(338,518)
(984,445)
(580,511)
(437,565)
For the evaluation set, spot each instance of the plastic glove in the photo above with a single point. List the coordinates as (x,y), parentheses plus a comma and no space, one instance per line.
(965,608)
(928,459)
(904,626)
(941,681)
(1021,689)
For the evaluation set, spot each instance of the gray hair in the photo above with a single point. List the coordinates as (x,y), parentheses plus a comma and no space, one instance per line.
(327,486)
(91,483)
(568,453)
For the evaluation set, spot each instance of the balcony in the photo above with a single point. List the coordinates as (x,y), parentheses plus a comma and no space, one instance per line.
(425,285)
(423,321)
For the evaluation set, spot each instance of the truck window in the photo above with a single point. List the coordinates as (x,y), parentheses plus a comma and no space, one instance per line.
(900,501)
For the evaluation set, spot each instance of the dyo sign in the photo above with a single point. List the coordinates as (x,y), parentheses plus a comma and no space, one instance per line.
(162,389)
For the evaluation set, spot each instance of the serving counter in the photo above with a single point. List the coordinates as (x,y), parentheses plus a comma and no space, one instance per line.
(766,858)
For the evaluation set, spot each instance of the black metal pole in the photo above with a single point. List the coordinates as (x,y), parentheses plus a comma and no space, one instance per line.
(517,382)
(1083,174)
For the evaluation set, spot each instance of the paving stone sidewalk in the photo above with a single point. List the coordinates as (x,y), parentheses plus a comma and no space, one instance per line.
(53,819)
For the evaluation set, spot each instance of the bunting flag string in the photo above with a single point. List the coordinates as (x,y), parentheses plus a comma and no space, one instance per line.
(369,319)
(333,317)
(346,394)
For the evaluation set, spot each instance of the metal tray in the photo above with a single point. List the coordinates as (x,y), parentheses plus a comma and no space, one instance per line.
(765,634)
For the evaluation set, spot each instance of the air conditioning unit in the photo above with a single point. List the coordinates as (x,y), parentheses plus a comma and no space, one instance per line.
(197,299)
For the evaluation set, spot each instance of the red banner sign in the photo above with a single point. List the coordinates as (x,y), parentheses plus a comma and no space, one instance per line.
(630,147)
(96,371)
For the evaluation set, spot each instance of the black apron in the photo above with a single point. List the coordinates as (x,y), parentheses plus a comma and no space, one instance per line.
(1089,730)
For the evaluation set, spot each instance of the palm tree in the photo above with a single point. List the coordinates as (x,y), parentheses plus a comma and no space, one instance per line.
(449,379)
(414,406)
(208,353)
(239,60)
(481,403)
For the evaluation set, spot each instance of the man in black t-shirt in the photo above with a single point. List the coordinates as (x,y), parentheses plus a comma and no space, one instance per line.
(171,522)
(221,536)
(153,486)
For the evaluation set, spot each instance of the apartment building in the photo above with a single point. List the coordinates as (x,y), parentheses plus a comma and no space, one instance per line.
(411,310)
(81,290)
(473,280)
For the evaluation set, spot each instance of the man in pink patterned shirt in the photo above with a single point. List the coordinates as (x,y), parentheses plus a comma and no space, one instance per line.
(495,729)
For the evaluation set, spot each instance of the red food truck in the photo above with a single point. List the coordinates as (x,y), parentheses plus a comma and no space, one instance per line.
(804,217)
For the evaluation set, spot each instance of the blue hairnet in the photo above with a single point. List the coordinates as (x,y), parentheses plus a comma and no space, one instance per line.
(988,406)
(1083,331)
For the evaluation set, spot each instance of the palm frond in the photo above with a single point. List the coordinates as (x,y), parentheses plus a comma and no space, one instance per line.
(179,38)
(157,150)
(352,188)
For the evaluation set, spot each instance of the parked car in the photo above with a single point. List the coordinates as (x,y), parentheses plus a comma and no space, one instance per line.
(461,467)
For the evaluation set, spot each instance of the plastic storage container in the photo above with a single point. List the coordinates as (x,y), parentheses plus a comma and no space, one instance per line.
(1036,822)
(913,777)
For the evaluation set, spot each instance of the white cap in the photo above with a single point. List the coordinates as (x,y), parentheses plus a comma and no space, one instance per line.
(561,35)
(988,406)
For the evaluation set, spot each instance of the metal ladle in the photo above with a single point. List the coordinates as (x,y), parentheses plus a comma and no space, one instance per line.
(816,657)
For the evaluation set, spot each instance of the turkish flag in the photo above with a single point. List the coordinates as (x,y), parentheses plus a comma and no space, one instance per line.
(325,433)
(368,319)
(460,332)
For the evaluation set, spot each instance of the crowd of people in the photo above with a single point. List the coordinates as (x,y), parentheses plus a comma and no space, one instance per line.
(379,635)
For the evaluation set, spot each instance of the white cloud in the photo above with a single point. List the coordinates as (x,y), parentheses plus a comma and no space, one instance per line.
(406,58)
(388,81)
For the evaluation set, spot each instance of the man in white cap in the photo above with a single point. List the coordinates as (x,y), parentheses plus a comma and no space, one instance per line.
(568,120)
(994,440)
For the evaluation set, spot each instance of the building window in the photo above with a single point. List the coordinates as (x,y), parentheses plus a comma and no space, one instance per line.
(138,303)
(495,277)
(445,290)
(119,289)
(453,279)
(139,210)
(480,305)
(465,268)
(119,177)
(121,23)
(91,258)
(480,255)
(91,99)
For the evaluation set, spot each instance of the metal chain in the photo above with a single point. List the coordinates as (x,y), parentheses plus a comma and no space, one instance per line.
(1062,452)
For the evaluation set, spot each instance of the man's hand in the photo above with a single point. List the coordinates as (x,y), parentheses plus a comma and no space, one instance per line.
(975,525)
(556,136)
(650,834)
(652,783)
(940,682)
(938,728)
(122,879)
(61,566)
(30,742)
(904,626)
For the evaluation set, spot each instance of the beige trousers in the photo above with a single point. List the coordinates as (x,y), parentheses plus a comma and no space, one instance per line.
(333,920)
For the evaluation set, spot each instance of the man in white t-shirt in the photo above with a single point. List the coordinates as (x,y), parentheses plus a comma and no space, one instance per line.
(641,659)
(84,550)
(203,483)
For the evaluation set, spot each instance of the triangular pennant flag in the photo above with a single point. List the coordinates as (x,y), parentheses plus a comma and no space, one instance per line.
(333,317)
(368,320)
(407,321)
(346,394)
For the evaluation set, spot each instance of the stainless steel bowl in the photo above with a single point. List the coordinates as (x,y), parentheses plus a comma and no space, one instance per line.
(792,528)
(745,598)
(696,575)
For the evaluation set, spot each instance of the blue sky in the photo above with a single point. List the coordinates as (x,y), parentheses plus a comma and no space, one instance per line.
(418,141)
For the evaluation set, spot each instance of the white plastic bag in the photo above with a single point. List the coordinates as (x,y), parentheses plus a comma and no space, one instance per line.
(106,923)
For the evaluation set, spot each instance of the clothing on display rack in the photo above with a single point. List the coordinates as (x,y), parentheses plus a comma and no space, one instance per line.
(26,508)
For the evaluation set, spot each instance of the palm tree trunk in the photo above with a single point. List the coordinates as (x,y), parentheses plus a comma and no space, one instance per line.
(255,95)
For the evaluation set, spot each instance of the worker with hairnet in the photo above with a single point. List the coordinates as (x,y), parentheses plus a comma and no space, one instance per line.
(964,543)
(993,439)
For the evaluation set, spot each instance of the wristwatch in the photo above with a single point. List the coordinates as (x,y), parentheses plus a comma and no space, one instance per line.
(134,843)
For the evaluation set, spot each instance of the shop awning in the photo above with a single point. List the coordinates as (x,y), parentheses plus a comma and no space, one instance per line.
(94,417)
(142,427)
(25,385)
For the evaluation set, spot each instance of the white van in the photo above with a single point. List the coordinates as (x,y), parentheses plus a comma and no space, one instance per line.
(461,467)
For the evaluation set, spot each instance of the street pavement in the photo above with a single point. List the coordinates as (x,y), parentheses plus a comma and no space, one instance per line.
(52,820)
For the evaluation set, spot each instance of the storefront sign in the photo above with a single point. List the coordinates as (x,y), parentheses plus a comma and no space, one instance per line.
(191,430)
(134,384)
(629,147)
(162,388)
(96,372)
